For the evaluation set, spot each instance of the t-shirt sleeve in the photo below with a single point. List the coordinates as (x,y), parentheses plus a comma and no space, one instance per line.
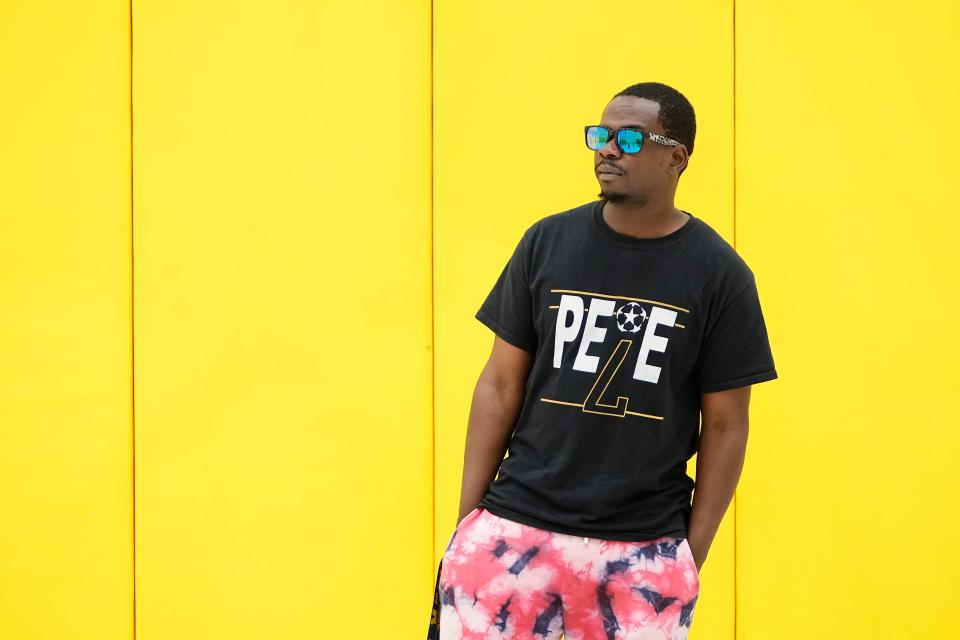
(736,349)
(508,308)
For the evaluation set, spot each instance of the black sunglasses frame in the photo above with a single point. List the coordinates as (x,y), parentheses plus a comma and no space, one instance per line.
(615,136)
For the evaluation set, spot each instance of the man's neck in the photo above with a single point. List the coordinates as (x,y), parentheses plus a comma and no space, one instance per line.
(647,221)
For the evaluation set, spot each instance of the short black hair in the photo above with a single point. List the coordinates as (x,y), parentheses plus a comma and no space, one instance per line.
(676,113)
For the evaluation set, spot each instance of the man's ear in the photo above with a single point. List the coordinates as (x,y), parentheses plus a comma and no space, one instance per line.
(680,157)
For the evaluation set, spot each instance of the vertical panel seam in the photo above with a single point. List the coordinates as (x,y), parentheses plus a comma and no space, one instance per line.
(433,349)
(736,500)
(133,411)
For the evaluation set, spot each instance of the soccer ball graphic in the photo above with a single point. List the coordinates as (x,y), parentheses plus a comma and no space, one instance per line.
(630,317)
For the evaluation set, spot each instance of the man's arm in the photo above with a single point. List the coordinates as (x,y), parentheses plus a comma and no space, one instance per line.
(723,443)
(497,400)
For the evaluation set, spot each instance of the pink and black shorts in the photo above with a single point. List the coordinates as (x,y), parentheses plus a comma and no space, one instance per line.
(507,580)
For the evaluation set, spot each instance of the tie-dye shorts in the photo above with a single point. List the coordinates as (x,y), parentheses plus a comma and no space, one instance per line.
(504,579)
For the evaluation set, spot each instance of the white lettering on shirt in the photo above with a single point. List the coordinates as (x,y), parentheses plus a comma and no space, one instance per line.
(592,333)
(652,342)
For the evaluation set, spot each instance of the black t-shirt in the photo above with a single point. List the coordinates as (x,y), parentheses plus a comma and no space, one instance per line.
(626,333)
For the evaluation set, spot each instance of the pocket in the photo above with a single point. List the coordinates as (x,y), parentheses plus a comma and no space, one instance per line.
(459,528)
(467,519)
(693,562)
(468,516)
(433,630)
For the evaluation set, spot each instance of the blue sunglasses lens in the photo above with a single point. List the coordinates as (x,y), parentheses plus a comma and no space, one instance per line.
(630,141)
(597,137)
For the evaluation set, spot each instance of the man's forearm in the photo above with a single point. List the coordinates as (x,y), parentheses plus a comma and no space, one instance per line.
(493,414)
(719,463)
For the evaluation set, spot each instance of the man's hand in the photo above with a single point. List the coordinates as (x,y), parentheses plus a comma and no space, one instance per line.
(497,400)
(723,442)
(699,552)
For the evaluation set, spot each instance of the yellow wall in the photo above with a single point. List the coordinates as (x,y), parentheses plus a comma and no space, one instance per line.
(282,315)
(66,500)
(846,209)
(324,193)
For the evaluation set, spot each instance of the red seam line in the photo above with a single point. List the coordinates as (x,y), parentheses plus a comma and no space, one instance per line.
(736,599)
(433,351)
(133,412)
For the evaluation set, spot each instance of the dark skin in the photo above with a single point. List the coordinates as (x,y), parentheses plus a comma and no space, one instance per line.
(640,198)
(496,403)
(640,204)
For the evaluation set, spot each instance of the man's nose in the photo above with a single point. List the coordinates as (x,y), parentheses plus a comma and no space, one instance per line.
(610,149)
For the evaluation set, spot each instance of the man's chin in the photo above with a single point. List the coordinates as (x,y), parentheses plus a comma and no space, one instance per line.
(612,197)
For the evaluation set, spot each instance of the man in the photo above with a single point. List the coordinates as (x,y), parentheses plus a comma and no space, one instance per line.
(620,326)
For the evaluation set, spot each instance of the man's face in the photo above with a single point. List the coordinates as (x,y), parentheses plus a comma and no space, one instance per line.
(639,177)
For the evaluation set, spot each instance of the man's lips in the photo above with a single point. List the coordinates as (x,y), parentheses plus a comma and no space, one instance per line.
(608,170)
